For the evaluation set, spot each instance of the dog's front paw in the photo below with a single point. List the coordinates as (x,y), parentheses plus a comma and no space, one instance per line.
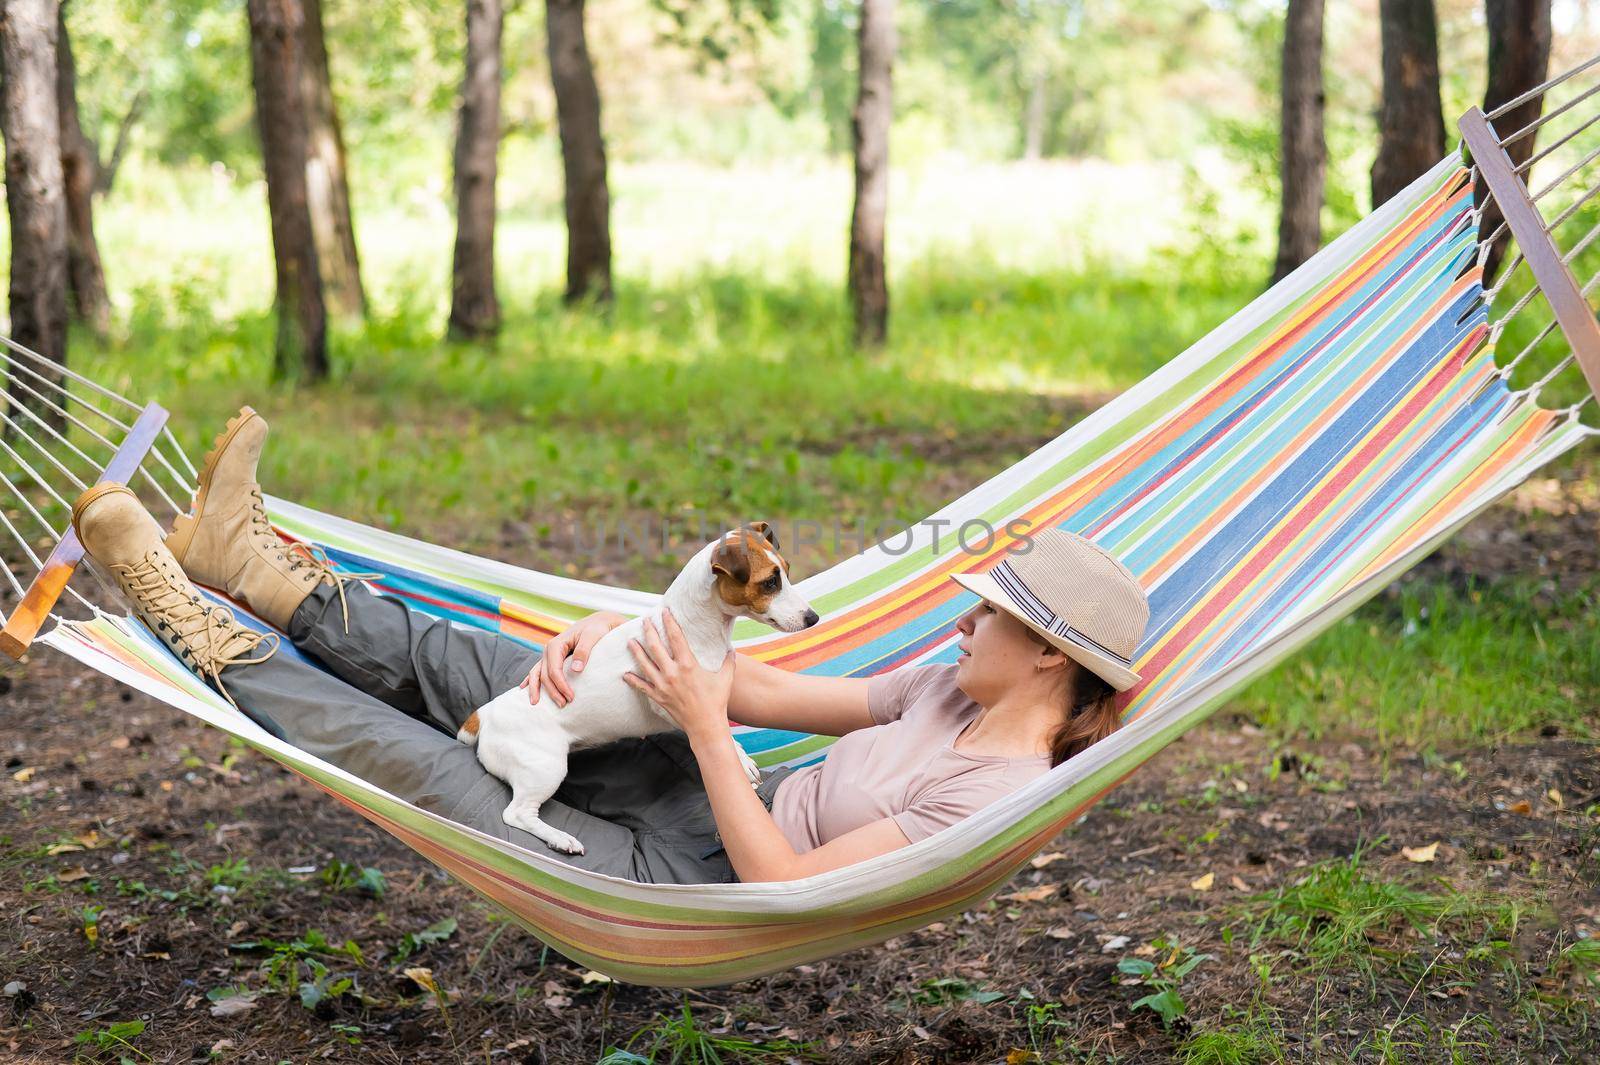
(751,770)
(564,842)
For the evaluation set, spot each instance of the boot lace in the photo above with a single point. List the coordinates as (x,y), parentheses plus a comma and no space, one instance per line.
(210,635)
(303,556)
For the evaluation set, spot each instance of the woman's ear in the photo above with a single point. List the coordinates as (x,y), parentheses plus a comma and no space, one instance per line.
(1052,657)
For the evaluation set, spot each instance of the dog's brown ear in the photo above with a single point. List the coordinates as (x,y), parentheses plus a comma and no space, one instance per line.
(767,532)
(729,558)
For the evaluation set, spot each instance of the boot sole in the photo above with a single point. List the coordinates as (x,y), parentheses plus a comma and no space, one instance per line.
(182,534)
(89,497)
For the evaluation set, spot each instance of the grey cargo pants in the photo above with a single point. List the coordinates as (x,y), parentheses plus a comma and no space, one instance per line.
(400,683)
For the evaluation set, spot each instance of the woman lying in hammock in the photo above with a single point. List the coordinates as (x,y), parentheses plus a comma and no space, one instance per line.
(1042,655)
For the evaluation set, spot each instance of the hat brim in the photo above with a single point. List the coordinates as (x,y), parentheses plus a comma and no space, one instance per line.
(1108,669)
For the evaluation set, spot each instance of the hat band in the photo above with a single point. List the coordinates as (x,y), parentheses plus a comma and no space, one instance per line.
(1043,616)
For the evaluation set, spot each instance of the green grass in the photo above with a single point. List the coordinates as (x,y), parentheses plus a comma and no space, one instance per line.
(1344,913)
(1436,665)
(1251,1042)
(684,1040)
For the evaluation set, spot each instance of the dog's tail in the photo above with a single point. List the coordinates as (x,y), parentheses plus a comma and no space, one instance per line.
(469,730)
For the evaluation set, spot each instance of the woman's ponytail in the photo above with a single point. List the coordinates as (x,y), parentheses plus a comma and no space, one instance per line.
(1092,716)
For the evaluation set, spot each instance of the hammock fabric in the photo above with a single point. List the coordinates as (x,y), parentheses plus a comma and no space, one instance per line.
(1261,486)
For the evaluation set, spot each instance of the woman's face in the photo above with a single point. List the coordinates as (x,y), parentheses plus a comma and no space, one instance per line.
(998,652)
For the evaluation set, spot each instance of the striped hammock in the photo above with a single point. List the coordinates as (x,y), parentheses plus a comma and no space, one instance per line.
(1261,486)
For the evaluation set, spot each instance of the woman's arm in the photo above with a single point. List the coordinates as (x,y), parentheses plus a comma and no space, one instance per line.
(763,695)
(769,697)
(698,701)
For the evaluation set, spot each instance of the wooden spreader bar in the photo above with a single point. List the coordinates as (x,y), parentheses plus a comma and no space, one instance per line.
(25,621)
(1573,313)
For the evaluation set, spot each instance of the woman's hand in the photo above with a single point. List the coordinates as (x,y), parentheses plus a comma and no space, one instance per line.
(669,673)
(572,645)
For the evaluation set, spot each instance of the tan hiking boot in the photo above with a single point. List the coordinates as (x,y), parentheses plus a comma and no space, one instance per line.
(118,533)
(226,541)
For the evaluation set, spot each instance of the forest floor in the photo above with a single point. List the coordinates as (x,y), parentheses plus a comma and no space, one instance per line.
(1257,893)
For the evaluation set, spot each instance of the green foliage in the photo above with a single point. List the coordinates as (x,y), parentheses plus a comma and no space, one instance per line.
(681,1040)
(343,876)
(301,966)
(941,991)
(114,1038)
(412,942)
(1162,977)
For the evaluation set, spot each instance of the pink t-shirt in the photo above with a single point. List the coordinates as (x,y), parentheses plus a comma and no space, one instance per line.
(903,767)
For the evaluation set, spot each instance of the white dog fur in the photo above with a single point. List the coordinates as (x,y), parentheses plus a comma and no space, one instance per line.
(740,574)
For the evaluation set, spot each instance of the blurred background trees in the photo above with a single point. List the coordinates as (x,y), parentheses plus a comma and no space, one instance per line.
(471,116)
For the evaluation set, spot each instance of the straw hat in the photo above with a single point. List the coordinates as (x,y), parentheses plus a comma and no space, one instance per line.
(1073,593)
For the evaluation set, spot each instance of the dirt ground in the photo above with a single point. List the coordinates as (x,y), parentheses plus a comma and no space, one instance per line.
(141,856)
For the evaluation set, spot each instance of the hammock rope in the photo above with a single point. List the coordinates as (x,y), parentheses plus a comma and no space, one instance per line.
(1261,485)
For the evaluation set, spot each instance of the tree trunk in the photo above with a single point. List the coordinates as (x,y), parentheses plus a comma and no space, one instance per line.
(1411,118)
(80,165)
(327,186)
(1519,58)
(474,308)
(107,174)
(1304,149)
(869,126)
(35,196)
(275,45)
(583,153)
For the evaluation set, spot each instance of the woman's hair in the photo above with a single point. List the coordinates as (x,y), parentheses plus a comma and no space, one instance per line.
(1092,713)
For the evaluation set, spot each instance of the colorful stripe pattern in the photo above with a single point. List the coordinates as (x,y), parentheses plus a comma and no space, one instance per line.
(1261,485)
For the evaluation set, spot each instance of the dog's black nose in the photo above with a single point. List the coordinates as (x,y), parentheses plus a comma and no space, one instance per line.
(811,618)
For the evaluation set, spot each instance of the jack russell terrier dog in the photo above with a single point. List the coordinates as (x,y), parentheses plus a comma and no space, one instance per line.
(737,575)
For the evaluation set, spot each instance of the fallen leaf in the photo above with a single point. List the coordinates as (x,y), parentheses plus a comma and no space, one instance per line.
(1421,854)
(233,1005)
(63,848)
(1034,894)
(1018,1056)
(1145,951)
(1238,883)
(121,743)
(77,872)
(423,978)
(1115,943)
(556,1002)
(22,776)
(1240,786)
(1521,806)
(1043,860)
(1203,883)
(592,977)
(1555,798)
(1061,931)
(922,1033)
